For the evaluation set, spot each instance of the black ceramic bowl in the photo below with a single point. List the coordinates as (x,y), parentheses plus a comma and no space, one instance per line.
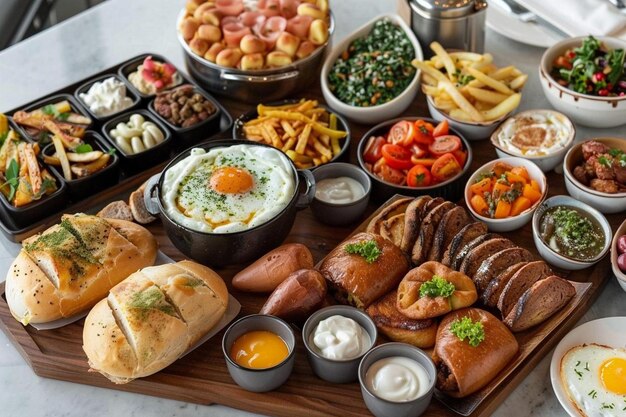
(87,186)
(131,66)
(186,136)
(219,249)
(148,158)
(342,124)
(85,87)
(37,210)
(451,189)
(76,107)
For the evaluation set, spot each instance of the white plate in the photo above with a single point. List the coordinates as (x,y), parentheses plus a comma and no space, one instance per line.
(505,24)
(608,331)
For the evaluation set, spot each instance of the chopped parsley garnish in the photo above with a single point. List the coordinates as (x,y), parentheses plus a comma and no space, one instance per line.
(151,299)
(437,287)
(465,328)
(367,249)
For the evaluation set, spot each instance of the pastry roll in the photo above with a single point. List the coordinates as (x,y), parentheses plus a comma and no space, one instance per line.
(466,358)
(318,32)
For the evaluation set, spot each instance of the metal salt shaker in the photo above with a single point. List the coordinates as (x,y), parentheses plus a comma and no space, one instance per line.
(455,24)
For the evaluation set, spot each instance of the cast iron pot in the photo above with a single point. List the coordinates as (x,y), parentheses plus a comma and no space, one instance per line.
(219,249)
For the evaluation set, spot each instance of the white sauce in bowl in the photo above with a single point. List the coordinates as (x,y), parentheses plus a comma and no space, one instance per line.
(340,190)
(536,133)
(397,379)
(106,97)
(340,338)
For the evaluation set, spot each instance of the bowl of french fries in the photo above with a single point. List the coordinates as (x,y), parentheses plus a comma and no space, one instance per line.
(309,133)
(469,91)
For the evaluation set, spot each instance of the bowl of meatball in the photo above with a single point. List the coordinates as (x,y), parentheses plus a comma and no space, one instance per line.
(595,173)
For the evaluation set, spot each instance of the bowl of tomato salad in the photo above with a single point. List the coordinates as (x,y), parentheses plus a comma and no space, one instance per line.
(415,156)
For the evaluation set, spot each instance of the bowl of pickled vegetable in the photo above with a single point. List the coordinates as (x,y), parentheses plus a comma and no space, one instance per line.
(504,193)
(369,77)
(570,234)
(585,78)
(415,156)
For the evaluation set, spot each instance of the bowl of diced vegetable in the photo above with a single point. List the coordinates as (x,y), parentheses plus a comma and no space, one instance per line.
(505,193)
(415,156)
(369,77)
(584,78)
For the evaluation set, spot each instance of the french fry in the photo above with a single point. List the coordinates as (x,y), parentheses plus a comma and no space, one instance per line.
(60,151)
(462,102)
(334,145)
(34,174)
(486,95)
(445,58)
(427,69)
(503,108)
(487,80)
(303,138)
(518,82)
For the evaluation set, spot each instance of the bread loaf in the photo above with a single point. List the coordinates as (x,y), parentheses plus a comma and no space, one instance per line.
(151,318)
(72,265)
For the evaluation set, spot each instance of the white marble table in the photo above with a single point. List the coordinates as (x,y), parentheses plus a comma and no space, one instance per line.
(117,30)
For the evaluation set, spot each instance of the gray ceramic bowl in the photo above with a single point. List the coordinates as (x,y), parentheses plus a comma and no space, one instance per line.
(384,408)
(336,371)
(341,214)
(259,380)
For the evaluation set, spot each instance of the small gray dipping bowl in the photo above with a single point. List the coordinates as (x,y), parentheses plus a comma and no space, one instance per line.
(336,371)
(341,214)
(259,380)
(385,408)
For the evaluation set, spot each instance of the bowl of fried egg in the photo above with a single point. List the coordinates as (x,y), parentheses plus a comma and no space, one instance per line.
(588,369)
(227,202)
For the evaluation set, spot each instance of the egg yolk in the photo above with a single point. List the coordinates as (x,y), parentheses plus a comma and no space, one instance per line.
(613,375)
(259,349)
(231,180)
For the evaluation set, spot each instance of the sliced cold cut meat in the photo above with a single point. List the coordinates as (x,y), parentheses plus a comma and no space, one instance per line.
(426,236)
(250,19)
(462,238)
(476,256)
(299,26)
(451,223)
(520,282)
(229,7)
(544,298)
(233,32)
(271,29)
(498,262)
(491,295)
(269,7)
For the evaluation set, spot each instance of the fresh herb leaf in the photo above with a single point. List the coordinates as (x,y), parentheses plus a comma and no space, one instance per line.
(465,328)
(603,160)
(367,249)
(3,137)
(63,116)
(83,148)
(111,151)
(12,176)
(437,287)
(615,59)
(49,110)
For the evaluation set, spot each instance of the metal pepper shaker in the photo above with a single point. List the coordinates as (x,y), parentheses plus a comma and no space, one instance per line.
(455,24)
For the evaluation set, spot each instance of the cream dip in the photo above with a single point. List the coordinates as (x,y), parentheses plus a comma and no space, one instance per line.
(106,97)
(340,338)
(397,379)
(340,190)
(534,133)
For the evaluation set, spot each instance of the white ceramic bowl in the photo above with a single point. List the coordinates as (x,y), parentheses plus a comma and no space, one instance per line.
(588,110)
(604,202)
(559,260)
(621,277)
(510,223)
(544,162)
(374,114)
(471,130)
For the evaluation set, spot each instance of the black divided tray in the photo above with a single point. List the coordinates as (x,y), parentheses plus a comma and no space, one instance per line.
(129,176)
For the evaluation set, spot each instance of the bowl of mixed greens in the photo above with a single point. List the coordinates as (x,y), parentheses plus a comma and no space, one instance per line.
(369,77)
(585,78)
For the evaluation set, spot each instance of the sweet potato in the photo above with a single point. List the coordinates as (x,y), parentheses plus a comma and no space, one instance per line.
(267,272)
(297,297)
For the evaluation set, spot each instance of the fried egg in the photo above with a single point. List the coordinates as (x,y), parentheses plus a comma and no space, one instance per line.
(594,377)
(228,189)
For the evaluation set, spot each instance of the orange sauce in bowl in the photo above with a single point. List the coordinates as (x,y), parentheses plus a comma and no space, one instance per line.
(259,349)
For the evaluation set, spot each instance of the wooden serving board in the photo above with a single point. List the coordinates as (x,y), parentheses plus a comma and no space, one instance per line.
(201,377)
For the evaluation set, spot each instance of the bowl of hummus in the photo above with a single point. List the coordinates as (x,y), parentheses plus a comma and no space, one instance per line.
(542,136)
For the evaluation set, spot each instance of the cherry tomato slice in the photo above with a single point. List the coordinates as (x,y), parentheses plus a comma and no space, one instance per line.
(423,132)
(373,149)
(445,144)
(441,129)
(396,156)
(446,166)
(402,133)
(419,176)
(418,151)
(389,174)
(461,156)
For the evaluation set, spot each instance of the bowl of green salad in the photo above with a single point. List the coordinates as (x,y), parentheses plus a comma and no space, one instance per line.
(368,77)
(585,78)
